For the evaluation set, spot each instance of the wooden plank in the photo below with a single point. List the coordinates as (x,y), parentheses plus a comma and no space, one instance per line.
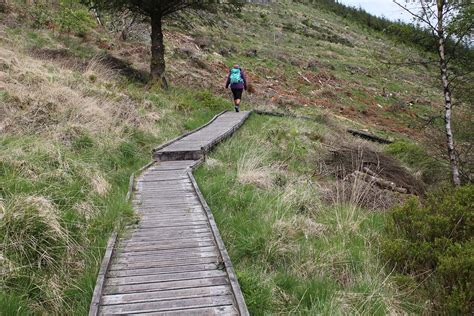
(169,210)
(168,203)
(228,310)
(160,253)
(185,244)
(99,285)
(175,228)
(223,252)
(179,276)
(163,264)
(177,216)
(166,295)
(168,207)
(157,306)
(165,257)
(171,223)
(146,233)
(163,179)
(175,196)
(162,192)
(165,189)
(151,222)
(161,286)
(184,235)
(163,270)
(167,242)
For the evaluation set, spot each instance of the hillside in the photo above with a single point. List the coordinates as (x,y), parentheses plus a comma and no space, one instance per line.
(77,118)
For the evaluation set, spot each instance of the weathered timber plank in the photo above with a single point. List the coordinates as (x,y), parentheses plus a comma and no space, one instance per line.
(164,246)
(177,216)
(178,276)
(170,178)
(190,236)
(170,220)
(165,241)
(168,224)
(170,305)
(165,258)
(163,270)
(160,253)
(175,228)
(242,307)
(99,286)
(163,210)
(145,195)
(163,264)
(153,233)
(173,285)
(166,295)
(228,310)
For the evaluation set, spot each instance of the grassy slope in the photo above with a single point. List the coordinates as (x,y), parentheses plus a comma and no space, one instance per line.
(301,65)
(73,131)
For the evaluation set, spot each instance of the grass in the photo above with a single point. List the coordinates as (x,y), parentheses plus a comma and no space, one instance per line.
(293,252)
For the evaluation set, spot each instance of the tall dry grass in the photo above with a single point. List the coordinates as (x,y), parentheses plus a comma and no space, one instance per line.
(41,97)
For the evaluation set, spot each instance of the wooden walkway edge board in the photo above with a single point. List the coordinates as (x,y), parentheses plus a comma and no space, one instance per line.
(104,267)
(223,251)
(176,248)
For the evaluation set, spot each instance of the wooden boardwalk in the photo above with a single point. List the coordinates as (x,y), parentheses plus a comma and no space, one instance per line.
(174,261)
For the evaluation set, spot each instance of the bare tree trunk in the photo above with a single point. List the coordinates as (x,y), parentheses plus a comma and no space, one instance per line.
(447,94)
(157,65)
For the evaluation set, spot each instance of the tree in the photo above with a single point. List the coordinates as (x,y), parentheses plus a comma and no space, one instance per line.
(451,23)
(155,11)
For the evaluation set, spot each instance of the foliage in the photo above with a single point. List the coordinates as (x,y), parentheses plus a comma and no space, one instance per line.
(67,17)
(433,241)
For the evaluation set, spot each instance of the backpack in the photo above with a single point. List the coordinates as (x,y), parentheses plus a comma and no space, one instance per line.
(235,76)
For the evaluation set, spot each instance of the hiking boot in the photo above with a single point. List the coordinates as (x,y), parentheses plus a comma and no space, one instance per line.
(237,109)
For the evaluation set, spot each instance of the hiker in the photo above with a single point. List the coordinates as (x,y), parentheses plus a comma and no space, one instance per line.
(237,82)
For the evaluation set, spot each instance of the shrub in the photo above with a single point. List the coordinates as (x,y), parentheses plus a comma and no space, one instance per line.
(434,239)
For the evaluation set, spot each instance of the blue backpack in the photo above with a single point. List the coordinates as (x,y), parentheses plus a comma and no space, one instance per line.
(235,76)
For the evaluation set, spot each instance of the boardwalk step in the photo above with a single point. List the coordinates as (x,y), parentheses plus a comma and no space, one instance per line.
(171,285)
(179,304)
(166,295)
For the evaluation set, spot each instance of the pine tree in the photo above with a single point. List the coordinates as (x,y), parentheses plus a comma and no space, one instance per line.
(155,10)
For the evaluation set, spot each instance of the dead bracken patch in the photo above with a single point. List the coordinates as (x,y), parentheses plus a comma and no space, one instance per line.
(347,159)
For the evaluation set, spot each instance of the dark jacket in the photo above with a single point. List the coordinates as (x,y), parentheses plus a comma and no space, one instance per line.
(237,85)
